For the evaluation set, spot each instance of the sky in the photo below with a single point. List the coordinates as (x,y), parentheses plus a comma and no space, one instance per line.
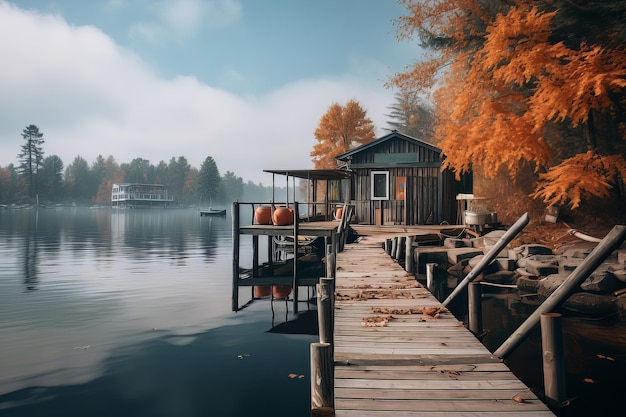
(242,81)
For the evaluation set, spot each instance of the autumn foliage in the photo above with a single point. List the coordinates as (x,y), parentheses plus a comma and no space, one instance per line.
(340,129)
(526,83)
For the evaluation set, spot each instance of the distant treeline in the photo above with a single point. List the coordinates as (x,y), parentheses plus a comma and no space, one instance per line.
(50,182)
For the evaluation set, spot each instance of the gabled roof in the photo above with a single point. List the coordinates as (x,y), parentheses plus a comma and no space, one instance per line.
(393,135)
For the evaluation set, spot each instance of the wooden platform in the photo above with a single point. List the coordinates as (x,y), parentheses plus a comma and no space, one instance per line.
(416,364)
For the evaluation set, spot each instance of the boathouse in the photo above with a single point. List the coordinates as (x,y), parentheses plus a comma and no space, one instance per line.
(133,195)
(398,180)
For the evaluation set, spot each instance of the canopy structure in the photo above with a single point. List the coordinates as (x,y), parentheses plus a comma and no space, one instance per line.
(314,176)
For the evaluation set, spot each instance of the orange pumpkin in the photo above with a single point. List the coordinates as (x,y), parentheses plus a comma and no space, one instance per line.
(263,215)
(283,216)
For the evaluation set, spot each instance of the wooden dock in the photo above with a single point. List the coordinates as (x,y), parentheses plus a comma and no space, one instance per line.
(398,352)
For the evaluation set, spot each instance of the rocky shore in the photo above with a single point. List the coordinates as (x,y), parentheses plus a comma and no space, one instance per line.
(535,269)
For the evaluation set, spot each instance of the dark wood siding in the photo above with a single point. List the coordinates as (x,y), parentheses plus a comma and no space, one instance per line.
(430,193)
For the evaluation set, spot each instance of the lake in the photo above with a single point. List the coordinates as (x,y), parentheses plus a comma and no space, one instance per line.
(128,312)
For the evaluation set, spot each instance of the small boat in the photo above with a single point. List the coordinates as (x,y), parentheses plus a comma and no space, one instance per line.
(212,212)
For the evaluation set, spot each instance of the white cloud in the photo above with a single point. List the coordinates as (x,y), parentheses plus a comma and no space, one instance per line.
(90,96)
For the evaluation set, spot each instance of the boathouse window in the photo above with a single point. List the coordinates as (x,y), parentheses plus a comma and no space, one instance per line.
(380,185)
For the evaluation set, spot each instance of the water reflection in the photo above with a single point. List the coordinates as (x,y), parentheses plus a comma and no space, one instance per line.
(104,279)
(593,382)
(232,370)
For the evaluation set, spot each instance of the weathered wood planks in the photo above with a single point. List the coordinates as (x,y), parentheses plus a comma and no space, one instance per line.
(422,361)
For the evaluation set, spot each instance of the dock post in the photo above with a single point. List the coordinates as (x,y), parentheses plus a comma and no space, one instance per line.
(435,281)
(489,256)
(388,246)
(331,262)
(296,233)
(611,241)
(235,291)
(475,306)
(322,378)
(324,310)
(400,248)
(408,255)
(553,361)
(430,277)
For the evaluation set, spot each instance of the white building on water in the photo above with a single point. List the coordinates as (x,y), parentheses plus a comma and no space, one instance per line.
(134,195)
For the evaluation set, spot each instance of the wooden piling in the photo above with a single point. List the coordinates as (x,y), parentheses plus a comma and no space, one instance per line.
(322,378)
(475,306)
(553,358)
(331,261)
(408,255)
(235,243)
(324,310)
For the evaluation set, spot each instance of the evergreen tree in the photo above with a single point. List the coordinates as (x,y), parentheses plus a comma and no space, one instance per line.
(31,157)
(208,180)
(412,116)
(51,178)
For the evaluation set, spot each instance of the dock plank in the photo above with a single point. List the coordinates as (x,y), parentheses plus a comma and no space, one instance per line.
(393,359)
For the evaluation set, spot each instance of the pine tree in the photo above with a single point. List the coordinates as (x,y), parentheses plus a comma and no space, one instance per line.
(31,158)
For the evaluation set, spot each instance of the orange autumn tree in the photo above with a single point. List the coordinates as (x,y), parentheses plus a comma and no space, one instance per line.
(340,129)
(527,83)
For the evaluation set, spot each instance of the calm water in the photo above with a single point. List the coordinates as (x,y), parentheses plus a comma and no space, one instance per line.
(594,352)
(128,313)
(107,313)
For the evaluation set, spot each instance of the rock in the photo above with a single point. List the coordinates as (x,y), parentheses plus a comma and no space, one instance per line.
(424,255)
(506,264)
(491,238)
(567,265)
(523,272)
(592,304)
(540,265)
(578,249)
(534,249)
(601,280)
(502,277)
(489,269)
(547,285)
(453,243)
(462,255)
(619,274)
(527,284)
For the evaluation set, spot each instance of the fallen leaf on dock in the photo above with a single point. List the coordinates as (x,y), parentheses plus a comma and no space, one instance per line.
(294,376)
(376,321)
(608,358)
(589,381)
(518,399)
